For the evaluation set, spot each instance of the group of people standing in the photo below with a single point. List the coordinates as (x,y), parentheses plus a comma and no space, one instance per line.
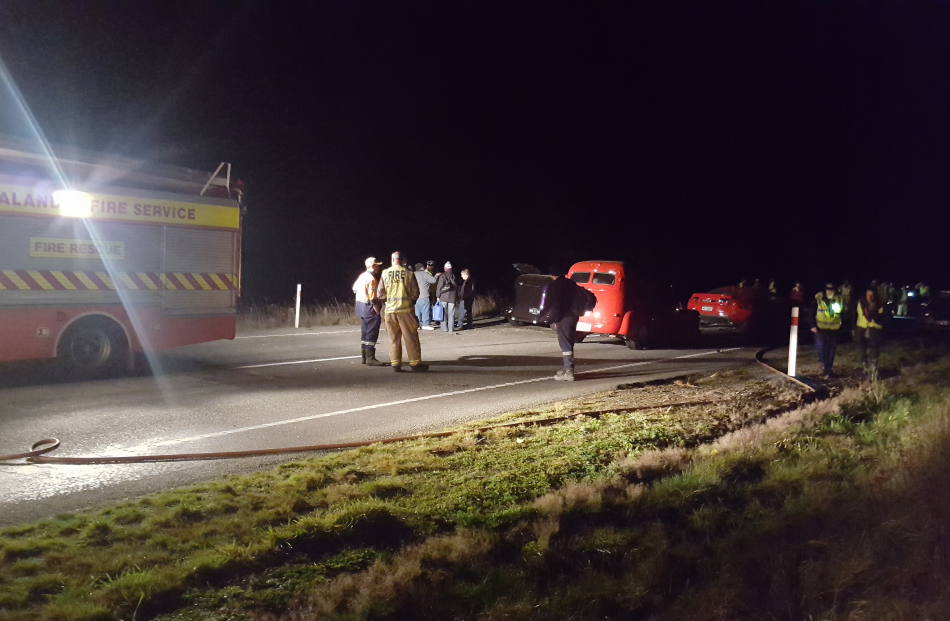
(404,300)
(835,312)
(832,313)
(454,296)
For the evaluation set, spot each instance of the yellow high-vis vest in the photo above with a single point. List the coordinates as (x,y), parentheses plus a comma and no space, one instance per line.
(826,316)
(862,320)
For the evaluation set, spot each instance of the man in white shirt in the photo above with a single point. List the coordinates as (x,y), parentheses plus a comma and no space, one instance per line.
(367,309)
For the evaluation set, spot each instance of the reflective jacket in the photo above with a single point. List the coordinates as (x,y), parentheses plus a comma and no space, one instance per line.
(826,317)
(399,288)
(868,317)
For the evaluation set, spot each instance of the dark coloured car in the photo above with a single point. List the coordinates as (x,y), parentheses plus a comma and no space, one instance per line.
(934,316)
(530,295)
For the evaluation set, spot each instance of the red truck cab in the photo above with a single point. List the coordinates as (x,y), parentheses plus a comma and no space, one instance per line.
(634,309)
(605,279)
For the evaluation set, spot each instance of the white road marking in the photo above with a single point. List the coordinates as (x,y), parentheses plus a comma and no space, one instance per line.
(635,364)
(277,364)
(267,336)
(376,406)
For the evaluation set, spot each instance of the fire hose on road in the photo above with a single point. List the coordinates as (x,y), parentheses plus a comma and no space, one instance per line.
(39,451)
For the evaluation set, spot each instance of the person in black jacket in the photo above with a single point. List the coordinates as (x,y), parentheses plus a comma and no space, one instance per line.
(466,301)
(566,301)
(446,288)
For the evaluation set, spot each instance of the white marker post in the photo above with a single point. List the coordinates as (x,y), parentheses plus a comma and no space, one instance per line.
(297,313)
(793,342)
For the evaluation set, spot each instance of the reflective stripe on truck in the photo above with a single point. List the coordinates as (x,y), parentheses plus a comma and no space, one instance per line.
(52,280)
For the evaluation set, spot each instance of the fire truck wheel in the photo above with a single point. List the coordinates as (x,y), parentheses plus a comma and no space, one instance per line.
(580,336)
(92,346)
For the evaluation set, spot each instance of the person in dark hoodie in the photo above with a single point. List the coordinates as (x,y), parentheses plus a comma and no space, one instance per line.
(466,301)
(446,288)
(565,302)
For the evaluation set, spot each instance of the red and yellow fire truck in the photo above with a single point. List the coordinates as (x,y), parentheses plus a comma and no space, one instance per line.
(102,257)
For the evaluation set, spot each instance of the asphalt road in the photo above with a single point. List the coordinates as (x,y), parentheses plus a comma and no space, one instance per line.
(287,388)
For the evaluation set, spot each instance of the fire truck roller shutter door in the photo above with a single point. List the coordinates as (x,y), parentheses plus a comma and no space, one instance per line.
(46,276)
(198,262)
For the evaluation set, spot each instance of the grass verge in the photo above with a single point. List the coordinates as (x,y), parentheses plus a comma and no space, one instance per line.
(746,506)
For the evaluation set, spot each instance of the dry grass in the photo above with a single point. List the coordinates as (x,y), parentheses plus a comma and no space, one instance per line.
(260,317)
(267,316)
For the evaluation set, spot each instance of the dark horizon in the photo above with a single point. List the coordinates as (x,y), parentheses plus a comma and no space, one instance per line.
(706,143)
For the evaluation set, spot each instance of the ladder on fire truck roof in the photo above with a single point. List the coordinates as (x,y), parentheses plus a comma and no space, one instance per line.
(81,166)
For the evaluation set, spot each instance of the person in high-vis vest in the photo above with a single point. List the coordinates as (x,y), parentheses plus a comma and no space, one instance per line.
(367,309)
(869,328)
(826,324)
(399,289)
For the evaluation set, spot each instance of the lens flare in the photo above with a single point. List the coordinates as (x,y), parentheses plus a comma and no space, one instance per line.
(73,203)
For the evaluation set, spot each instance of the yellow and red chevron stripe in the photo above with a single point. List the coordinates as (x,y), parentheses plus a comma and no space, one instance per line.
(52,280)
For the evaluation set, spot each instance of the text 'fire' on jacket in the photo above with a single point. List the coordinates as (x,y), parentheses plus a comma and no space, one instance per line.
(399,288)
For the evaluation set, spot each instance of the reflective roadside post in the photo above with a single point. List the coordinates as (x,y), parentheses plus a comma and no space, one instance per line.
(297,312)
(793,342)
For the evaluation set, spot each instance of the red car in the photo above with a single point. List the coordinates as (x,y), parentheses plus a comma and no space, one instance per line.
(638,311)
(746,309)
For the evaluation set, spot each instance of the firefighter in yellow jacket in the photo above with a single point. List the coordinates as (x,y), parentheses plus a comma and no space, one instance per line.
(399,289)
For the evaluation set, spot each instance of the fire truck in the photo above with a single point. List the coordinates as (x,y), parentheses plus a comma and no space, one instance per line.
(103,257)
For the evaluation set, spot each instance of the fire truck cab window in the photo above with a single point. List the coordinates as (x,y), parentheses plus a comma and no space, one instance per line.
(603,279)
(581,277)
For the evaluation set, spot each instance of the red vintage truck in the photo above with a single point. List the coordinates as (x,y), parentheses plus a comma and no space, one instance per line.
(631,307)
(102,257)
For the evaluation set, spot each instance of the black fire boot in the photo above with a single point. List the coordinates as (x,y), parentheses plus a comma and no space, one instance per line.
(363,353)
(371,360)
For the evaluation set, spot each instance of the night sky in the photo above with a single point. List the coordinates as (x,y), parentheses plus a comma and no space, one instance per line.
(703,144)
